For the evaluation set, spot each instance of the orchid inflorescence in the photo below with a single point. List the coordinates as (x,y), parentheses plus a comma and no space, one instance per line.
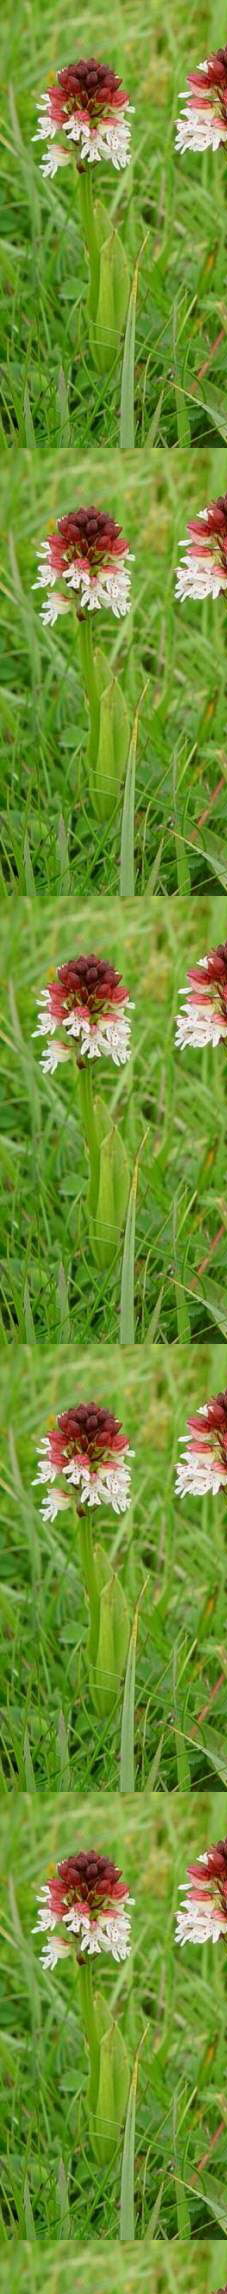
(88,554)
(203,1466)
(89,1002)
(203,1019)
(203,1913)
(203,572)
(85,117)
(87,105)
(89,1902)
(89,1452)
(204,117)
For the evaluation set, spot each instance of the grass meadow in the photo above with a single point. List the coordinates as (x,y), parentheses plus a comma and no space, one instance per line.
(172,216)
(172,662)
(172,2008)
(171,1558)
(156,2269)
(170,1107)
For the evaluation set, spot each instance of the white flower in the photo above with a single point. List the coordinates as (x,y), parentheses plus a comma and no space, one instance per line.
(53,1950)
(199,1471)
(108,1932)
(46,125)
(199,128)
(198,576)
(110,588)
(106,1037)
(109,140)
(46,1918)
(53,606)
(110,1485)
(55,157)
(196,1475)
(199,1919)
(199,1024)
(51,1057)
(110,1037)
(53,1504)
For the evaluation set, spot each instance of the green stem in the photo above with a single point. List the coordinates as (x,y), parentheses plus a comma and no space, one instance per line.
(88,2013)
(87,1562)
(88,671)
(87,1113)
(87,216)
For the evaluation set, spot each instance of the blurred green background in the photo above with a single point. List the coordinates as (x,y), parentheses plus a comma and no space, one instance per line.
(157,2268)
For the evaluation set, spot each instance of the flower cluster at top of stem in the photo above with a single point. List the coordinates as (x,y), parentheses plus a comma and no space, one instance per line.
(204,1016)
(88,554)
(203,572)
(87,106)
(204,1463)
(204,1910)
(204,117)
(88,1899)
(89,1002)
(88,1449)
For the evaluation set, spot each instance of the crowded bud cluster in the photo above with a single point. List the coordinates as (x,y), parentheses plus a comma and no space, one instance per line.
(91,1005)
(204,118)
(204,1464)
(89,555)
(204,1016)
(89,107)
(204,569)
(88,1902)
(204,1911)
(88,1449)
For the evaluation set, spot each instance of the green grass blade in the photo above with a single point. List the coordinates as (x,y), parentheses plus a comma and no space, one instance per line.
(127,2172)
(183,2216)
(128,1266)
(127,424)
(127,1780)
(127,871)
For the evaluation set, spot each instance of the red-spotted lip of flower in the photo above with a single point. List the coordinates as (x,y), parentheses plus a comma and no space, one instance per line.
(89,1434)
(88,89)
(211,79)
(89,986)
(88,1883)
(209,1428)
(88,539)
(210,978)
(209,1875)
(210,529)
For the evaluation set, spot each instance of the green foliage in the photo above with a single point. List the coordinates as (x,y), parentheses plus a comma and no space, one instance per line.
(171,1552)
(158,1265)
(170,664)
(168,2005)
